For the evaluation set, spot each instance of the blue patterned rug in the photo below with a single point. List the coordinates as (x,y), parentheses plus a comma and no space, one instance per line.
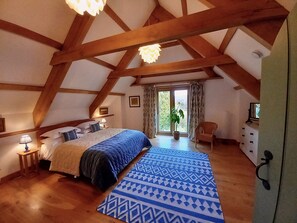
(166,185)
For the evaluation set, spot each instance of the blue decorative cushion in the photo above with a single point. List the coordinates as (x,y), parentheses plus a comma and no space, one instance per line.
(95,127)
(70,135)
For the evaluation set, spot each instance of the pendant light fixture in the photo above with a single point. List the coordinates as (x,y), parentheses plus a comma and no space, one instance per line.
(91,6)
(150,53)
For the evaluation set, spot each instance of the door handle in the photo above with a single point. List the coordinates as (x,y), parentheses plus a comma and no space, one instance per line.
(268,156)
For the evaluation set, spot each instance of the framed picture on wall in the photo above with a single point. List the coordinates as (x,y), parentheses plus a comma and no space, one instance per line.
(103,110)
(134,101)
(2,125)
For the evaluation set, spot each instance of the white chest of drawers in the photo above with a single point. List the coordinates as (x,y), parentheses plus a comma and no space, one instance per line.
(249,141)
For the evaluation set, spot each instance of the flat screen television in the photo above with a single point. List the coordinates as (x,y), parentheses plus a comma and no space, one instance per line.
(254,112)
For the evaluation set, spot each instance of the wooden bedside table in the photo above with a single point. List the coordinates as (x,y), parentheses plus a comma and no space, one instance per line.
(23,158)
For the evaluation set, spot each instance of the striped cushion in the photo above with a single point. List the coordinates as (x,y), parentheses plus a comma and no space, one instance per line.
(70,135)
(95,127)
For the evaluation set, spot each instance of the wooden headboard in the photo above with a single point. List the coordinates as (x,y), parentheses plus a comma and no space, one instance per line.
(42,130)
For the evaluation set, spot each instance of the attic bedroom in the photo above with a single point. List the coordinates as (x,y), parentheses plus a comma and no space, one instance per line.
(76,89)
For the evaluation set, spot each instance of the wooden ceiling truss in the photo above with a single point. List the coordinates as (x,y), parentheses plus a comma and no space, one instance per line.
(260,19)
(75,36)
(198,23)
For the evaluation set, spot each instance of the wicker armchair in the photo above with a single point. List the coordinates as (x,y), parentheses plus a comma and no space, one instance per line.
(205,132)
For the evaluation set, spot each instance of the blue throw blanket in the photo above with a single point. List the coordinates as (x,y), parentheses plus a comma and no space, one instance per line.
(103,161)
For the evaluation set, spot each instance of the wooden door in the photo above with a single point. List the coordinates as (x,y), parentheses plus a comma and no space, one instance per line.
(278,129)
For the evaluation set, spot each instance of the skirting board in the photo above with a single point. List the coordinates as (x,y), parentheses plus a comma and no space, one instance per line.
(10,177)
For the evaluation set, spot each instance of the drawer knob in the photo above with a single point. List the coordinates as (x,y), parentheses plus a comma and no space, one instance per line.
(251,151)
(251,141)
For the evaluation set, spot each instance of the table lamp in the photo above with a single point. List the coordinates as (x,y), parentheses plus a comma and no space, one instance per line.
(24,140)
(103,122)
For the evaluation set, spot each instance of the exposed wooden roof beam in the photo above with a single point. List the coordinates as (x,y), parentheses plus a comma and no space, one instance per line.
(102,63)
(205,49)
(184,7)
(110,83)
(75,36)
(208,70)
(180,81)
(22,87)
(116,18)
(79,91)
(173,73)
(227,38)
(202,22)
(237,88)
(173,67)
(21,31)
(170,44)
(264,32)
(116,94)
(138,78)
(76,91)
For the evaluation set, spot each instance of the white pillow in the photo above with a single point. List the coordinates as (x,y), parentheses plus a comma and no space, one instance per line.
(52,143)
(79,135)
(56,133)
(86,125)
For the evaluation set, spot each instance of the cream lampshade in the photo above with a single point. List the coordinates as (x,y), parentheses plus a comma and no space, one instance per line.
(103,122)
(24,140)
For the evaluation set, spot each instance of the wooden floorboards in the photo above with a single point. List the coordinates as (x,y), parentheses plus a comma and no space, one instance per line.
(53,197)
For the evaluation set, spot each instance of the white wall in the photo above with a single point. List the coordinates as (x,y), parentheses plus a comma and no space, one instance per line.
(115,108)
(133,117)
(221,107)
(244,104)
(9,146)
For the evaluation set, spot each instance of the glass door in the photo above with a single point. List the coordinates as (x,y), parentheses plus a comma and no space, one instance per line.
(181,102)
(164,125)
(167,99)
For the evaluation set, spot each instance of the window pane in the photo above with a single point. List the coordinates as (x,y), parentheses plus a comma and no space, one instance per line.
(181,102)
(164,111)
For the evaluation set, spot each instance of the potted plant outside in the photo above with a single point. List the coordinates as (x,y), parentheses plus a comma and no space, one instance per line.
(175,117)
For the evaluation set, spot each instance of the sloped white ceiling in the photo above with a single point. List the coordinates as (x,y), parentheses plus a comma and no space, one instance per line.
(12,102)
(133,12)
(241,48)
(123,84)
(23,61)
(172,6)
(85,75)
(70,100)
(49,18)
(172,78)
(102,27)
(173,54)
(215,38)
(112,58)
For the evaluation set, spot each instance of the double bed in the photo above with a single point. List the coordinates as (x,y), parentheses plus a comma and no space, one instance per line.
(99,155)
